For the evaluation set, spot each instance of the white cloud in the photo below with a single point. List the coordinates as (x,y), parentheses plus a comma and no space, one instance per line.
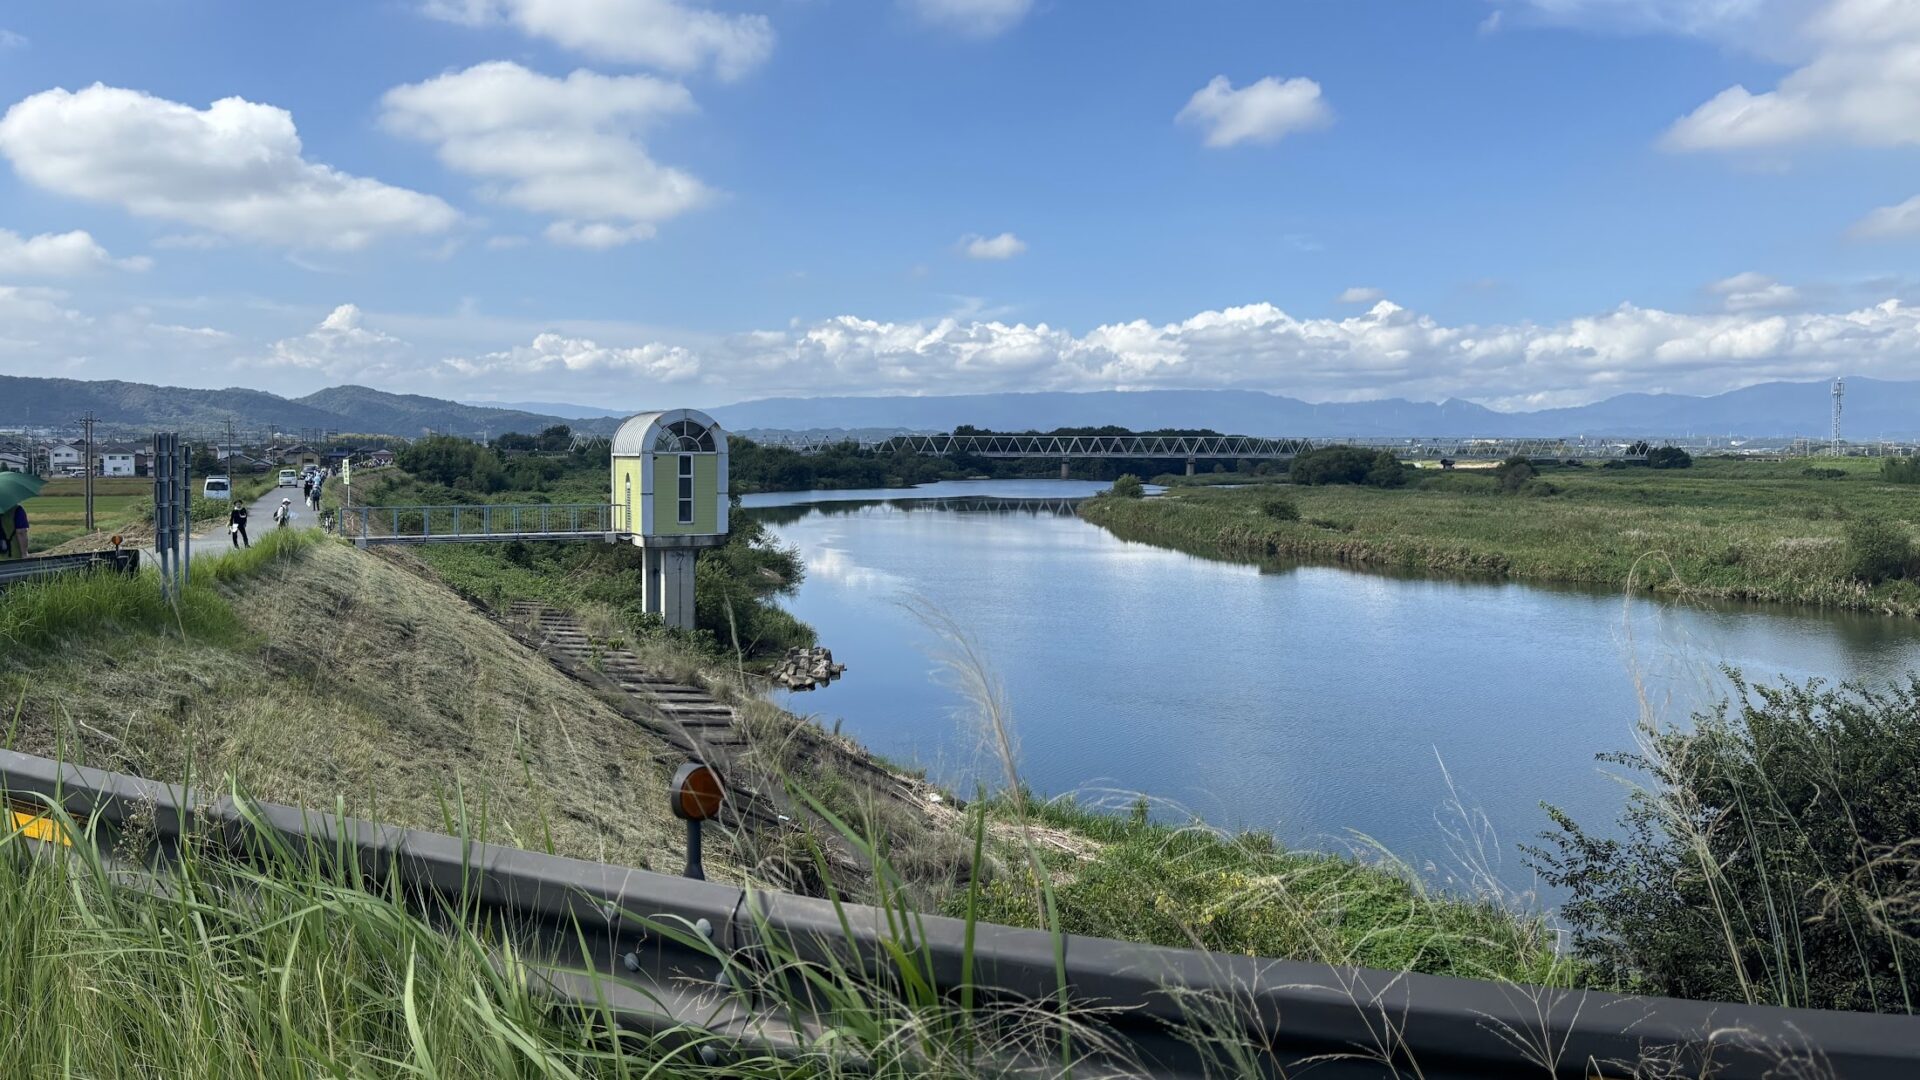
(1900,219)
(342,348)
(1264,111)
(59,255)
(11,40)
(1491,24)
(565,147)
(41,335)
(234,168)
(553,355)
(1004,246)
(1360,294)
(974,18)
(1384,351)
(669,34)
(1861,86)
(1754,292)
(505,242)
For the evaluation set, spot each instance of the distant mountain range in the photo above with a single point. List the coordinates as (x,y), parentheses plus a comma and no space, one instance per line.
(1875,409)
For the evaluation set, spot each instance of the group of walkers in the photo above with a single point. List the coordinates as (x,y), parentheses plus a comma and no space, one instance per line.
(310,489)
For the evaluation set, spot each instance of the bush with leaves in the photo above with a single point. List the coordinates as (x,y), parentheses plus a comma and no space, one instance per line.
(1347,465)
(1877,550)
(1898,470)
(1280,508)
(1774,857)
(1514,472)
(1669,457)
(1128,487)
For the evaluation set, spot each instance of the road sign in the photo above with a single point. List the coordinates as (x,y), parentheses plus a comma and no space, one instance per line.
(346,472)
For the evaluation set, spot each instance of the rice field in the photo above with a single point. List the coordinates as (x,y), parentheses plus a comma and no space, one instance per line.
(59,512)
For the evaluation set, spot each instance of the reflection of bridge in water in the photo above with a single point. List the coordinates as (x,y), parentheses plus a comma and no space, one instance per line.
(787,513)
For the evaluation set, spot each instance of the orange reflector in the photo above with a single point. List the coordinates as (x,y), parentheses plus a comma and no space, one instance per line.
(36,825)
(697,793)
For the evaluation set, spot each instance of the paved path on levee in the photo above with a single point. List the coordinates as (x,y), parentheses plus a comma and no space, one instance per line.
(210,538)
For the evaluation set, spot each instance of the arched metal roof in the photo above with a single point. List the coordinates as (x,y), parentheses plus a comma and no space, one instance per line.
(641,433)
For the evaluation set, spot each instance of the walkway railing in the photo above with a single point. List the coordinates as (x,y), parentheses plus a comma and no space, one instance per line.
(482,522)
(17,570)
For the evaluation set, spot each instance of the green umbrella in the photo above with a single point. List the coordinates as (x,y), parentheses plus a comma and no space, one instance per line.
(16,488)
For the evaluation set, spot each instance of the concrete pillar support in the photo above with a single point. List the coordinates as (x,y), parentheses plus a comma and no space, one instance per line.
(1189,466)
(652,594)
(1063,469)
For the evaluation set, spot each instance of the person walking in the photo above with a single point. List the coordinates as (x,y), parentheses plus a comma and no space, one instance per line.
(283,514)
(237,525)
(306,488)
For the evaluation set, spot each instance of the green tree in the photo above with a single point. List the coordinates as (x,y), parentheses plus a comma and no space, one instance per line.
(1128,486)
(1514,472)
(1347,465)
(556,439)
(1669,457)
(1900,470)
(1877,549)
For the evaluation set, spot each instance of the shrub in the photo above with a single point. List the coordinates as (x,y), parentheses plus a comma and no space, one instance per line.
(1128,487)
(1513,473)
(1280,508)
(1824,474)
(1347,465)
(1669,457)
(1539,489)
(1902,470)
(1877,550)
(1770,860)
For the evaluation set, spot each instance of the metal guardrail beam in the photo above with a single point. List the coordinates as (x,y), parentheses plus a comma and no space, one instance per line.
(599,927)
(482,523)
(1214,447)
(13,571)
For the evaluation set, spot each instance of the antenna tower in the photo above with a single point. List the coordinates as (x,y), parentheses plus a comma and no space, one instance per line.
(1839,396)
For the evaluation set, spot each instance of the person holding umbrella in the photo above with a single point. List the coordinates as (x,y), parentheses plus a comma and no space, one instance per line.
(16,488)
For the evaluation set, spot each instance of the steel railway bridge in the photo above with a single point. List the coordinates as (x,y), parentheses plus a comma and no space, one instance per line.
(1197,448)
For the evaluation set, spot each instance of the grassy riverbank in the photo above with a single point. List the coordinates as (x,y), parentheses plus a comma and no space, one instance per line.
(1774,531)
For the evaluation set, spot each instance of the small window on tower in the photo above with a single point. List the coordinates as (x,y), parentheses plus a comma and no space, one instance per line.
(686,489)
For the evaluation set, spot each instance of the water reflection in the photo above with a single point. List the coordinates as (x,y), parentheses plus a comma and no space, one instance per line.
(1314,701)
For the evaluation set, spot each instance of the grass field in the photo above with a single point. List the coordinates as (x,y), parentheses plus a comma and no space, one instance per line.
(1726,529)
(59,512)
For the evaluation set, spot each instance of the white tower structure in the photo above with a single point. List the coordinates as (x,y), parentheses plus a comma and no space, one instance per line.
(1839,395)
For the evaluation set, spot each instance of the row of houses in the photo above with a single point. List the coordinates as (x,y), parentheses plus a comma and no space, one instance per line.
(127,459)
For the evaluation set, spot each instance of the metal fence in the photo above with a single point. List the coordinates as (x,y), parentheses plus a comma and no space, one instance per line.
(602,935)
(481,523)
(13,571)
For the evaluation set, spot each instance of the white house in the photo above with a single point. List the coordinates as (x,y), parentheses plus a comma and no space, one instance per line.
(115,462)
(12,461)
(64,455)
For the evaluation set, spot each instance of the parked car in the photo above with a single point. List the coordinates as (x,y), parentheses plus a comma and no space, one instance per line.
(217,487)
(288,478)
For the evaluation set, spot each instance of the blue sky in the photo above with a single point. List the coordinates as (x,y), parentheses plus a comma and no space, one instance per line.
(1522,202)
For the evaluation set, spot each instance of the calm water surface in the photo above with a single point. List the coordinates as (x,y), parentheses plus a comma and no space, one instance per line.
(1319,703)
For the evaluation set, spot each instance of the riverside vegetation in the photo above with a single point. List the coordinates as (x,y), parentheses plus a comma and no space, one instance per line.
(1836,533)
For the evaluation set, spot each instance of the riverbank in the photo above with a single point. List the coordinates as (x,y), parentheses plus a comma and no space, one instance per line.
(1723,530)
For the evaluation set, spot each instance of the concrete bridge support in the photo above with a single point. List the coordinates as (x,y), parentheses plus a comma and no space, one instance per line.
(1063,470)
(1189,464)
(666,586)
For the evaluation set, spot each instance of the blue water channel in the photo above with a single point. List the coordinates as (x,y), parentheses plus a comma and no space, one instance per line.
(1330,706)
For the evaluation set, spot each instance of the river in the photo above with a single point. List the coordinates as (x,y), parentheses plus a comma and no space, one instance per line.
(1326,705)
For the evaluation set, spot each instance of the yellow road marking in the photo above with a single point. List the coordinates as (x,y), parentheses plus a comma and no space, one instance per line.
(35,826)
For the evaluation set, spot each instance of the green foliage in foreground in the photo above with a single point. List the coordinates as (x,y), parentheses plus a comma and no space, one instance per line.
(1194,887)
(1774,856)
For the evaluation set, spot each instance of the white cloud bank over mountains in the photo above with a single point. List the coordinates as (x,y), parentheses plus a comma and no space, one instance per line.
(1384,351)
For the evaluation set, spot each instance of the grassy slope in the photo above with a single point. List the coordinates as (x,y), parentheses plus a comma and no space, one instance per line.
(333,674)
(1723,529)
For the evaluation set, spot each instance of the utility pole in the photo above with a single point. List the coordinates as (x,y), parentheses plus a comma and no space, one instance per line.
(1839,395)
(86,425)
(229,459)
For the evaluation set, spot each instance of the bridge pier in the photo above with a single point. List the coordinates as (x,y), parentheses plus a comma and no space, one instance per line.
(666,585)
(1063,470)
(1189,464)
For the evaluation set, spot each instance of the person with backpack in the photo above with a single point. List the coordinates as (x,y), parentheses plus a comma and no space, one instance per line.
(237,524)
(283,514)
(13,533)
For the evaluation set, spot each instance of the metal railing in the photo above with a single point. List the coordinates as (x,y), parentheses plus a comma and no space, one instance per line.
(664,953)
(482,522)
(13,571)
(1217,447)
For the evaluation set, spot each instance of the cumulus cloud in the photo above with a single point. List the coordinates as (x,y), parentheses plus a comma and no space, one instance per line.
(974,18)
(1861,86)
(40,334)
(1900,219)
(668,34)
(1004,246)
(235,168)
(341,347)
(59,255)
(559,355)
(564,147)
(1754,292)
(1360,294)
(1262,112)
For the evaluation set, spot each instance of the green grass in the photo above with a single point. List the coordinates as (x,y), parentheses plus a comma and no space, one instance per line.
(1723,529)
(59,512)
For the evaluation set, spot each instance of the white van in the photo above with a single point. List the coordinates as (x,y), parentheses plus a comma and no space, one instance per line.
(288,478)
(217,487)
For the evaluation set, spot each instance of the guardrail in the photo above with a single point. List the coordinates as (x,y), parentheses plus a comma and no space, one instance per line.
(604,936)
(482,523)
(13,571)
